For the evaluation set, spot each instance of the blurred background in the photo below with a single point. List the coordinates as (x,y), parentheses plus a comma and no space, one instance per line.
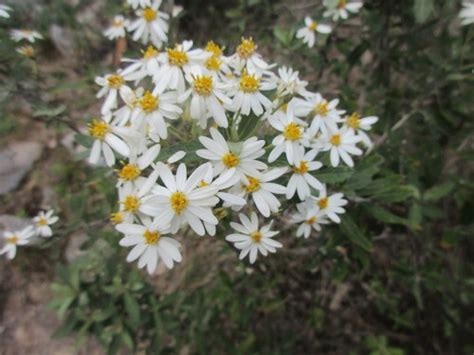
(396,278)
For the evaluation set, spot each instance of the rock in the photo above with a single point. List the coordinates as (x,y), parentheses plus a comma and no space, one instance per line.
(16,160)
(73,249)
(64,41)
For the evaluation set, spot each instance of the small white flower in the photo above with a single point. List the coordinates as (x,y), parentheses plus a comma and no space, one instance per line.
(30,36)
(359,125)
(308,33)
(145,66)
(27,51)
(262,190)
(118,28)
(289,83)
(4,11)
(108,138)
(149,245)
(342,144)
(140,3)
(243,156)
(43,222)
(13,240)
(151,25)
(178,61)
(176,10)
(467,13)
(247,58)
(309,219)
(181,200)
(131,171)
(112,86)
(207,99)
(247,94)
(331,205)
(341,8)
(251,240)
(325,115)
(291,137)
(301,180)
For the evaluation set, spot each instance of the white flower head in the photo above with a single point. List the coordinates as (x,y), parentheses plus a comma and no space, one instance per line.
(5,11)
(28,35)
(140,3)
(148,65)
(359,125)
(150,245)
(308,33)
(151,25)
(340,9)
(289,83)
(330,205)
(309,219)
(223,155)
(117,29)
(341,145)
(16,239)
(43,222)
(251,239)
(246,58)
(112,85)
(467,13)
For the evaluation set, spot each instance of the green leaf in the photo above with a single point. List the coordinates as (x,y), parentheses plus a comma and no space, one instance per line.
(333,175)
(355,235)
(133,309)
(84,140)
(386,216)
(50,112)
(439,191)
(422,10)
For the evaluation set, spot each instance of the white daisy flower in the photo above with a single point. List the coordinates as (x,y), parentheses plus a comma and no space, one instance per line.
(243,156)
(341,8)
(342,144)
(27,51)
(112,85)
(325,115)
(331,205)
(145,66)
(43,222)
(178,61)
(13,240)
(467,13)
(181,200)
(246,57)
(308,33)
(308,219)
(301,180)
(360,125)
(4,11)
(131,171)
(217,63)
(28,35)
(140,3)
(262,190)
(291,137)
(150,246)
(252,240)
(118,28)
(123,115)
(132,197)
(289,83)
(207,99)
(247,96)
(107,139)
(151,25)
(153,108)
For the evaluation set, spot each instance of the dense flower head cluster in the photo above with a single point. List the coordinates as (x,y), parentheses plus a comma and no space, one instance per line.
(263,138)
(40,228)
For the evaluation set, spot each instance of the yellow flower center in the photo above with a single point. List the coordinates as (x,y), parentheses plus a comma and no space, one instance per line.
(98,129)
(353,120)
(292,132)
(42,221)
(177,57)
(323,203)
(116,217)
(313,25)
(202,183)
(129,172)
(149,14)
(117,23)
(27,51)
(311,221)
(150,52)
(256,236)
(253,185)
(203,85)
(148,102)
(12,240)
(335,139)
(131,204)
(230,160)
(151,238)
(115,81)
(178,202)
(214,63)
(322,109)
(246,48)
(341,4)
(214,48)
(249,83)
(302,169)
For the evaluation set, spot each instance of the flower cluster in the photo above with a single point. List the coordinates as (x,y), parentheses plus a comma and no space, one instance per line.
(40,228)
(263,138)
(334,9)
